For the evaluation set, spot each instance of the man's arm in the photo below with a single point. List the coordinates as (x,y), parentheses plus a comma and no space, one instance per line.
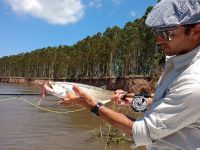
(116,119)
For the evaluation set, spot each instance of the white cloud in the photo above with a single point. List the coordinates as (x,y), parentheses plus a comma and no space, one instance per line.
(133,14)
(53,11)
(117,1)
(95,3)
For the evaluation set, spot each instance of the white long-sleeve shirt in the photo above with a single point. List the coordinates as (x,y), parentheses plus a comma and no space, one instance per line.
(173,121)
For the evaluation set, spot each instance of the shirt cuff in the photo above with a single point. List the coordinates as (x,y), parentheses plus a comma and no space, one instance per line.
(140,133)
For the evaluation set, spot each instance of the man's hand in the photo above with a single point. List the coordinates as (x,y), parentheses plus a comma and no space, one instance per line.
(123,98)
(81,98)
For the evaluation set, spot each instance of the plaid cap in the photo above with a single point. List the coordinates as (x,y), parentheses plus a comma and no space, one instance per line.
(169,13)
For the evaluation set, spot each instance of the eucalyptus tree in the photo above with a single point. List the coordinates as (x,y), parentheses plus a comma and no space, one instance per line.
(111,38)
(130,39)
(62,60)
(99,55)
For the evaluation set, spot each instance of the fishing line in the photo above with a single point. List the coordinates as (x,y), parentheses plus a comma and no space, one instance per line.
(42,108)
(2,100)
(50,110)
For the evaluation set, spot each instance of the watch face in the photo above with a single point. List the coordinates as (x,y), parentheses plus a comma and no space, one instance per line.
(139,104)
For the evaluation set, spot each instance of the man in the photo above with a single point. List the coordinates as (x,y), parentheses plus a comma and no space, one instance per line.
(173,120)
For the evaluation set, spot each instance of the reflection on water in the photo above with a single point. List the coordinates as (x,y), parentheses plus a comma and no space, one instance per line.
(24,127)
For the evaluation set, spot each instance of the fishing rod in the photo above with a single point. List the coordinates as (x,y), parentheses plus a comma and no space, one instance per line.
(24,94)
(20,94)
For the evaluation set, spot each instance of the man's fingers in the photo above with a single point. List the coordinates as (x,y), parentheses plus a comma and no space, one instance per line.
(120,91)
(77,90)
(72,96)
(65,102)
(71,99)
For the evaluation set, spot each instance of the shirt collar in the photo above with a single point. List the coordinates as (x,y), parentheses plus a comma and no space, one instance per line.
(185,59)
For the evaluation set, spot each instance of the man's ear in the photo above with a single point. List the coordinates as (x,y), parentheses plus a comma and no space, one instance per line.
(196,31)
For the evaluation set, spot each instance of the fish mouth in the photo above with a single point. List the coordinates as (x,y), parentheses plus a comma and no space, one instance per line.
(50,84)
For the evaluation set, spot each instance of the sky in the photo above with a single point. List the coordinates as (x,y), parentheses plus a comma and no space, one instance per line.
(27,25)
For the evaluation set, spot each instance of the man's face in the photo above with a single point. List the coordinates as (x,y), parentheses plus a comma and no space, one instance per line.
(176,42)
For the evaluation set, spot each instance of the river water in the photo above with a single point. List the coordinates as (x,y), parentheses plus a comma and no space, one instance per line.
(50,127)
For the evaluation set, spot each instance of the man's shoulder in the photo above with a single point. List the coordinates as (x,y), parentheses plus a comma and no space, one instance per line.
(191,76)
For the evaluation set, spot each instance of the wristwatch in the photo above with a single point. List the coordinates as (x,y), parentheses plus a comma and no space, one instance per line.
(95,109)
(139,103)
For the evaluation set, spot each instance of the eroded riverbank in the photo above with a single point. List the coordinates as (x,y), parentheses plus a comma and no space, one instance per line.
(131,84)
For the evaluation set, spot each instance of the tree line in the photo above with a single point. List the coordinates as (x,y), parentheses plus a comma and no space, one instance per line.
(117,52)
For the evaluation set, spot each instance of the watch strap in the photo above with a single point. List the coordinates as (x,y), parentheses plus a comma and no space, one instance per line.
(95,109)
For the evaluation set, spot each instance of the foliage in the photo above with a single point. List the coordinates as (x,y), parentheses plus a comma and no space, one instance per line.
(110,135)
(117,52)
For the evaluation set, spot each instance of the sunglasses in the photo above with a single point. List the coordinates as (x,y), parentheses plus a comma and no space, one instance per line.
(166,34)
